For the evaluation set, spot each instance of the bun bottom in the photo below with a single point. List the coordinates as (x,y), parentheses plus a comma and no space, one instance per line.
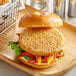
(42,65)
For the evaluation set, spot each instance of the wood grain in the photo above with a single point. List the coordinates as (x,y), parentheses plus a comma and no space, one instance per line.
(59,68)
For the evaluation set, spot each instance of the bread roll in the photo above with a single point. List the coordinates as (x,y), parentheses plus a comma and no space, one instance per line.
(42,65)
(40,19)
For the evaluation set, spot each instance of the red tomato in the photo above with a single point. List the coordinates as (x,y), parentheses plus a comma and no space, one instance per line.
(44,59)
(32,61)
(20,55)
(28,54)
(57,55)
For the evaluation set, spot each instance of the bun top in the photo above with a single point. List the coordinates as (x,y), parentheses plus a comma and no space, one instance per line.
(40,19)
(3,2)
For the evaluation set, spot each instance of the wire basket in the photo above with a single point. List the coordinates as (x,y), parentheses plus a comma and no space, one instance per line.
(9,15)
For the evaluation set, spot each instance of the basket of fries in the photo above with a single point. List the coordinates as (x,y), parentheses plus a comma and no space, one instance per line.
(8,14)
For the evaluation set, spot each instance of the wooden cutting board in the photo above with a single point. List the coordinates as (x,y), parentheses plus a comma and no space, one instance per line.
(69,60)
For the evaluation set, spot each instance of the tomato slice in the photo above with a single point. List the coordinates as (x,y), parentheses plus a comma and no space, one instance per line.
(20,55)
(44,60)
(59,55)
(32,61)
(28,54)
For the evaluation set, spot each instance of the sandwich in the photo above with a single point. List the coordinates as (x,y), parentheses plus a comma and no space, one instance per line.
(40,45)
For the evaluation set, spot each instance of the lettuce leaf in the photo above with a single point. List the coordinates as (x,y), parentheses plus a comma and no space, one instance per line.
(26,57)
(15,47)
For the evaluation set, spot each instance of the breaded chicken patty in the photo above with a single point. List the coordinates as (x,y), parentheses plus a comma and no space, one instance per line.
(41,42)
